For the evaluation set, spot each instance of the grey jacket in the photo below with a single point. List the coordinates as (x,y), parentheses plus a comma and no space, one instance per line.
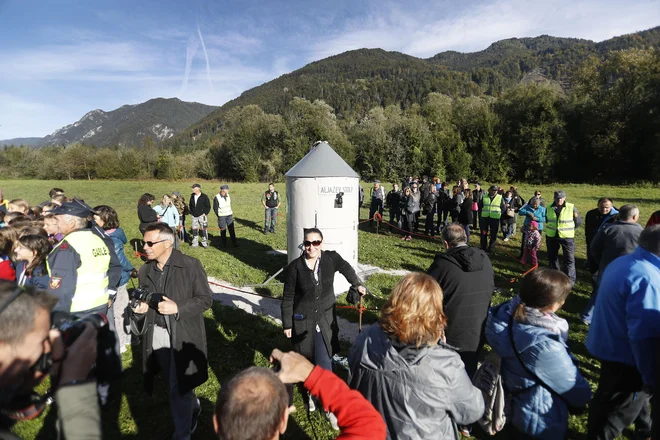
(614,240)
(421,394)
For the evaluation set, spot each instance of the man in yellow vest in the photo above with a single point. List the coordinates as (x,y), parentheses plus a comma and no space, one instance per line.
(78,266)
(561,220)
(491,206)
(222,208)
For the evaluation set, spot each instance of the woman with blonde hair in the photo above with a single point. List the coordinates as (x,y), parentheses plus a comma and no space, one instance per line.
(402,366)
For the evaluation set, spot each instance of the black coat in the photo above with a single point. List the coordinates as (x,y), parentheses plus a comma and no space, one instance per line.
(465,217)
(187,285)
(202,207)
(315,303)
(466,277)
(147,216)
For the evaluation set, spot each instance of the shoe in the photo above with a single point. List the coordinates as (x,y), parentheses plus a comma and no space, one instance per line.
(506,239)
(196,411)
(205,244)
(194,244)
(333,420)
(265,232)
(408,238)
(404,238)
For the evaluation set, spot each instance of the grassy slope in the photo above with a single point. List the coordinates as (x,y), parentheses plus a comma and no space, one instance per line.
(237,340)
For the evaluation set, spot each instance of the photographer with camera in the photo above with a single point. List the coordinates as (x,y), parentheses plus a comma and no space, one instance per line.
(29,350)
(168,309)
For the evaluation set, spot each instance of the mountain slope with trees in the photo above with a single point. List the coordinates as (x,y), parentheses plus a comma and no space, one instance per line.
(355,81)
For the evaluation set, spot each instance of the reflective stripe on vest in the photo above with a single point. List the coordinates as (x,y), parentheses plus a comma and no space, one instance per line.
(492,209)
(92,275)
(224,205)
(566,226)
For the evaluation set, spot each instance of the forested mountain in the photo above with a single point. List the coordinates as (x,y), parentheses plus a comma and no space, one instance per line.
(157,118)
(355,81)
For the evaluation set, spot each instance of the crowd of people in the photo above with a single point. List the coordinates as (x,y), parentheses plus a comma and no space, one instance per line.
(410,374)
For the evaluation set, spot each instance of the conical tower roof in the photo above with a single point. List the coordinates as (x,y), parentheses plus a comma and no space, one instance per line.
(322,161)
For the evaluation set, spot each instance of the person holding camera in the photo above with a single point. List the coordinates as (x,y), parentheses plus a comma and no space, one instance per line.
(173,324)
(258,394)
(27,348)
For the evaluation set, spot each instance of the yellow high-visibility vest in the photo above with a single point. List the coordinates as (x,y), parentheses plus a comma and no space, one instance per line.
(492,209)
(224,205)
(565,225)
(92,275)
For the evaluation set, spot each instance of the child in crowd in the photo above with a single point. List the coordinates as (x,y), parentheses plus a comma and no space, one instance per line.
(36,211)
(532,244)
(47,208)
(53,231)
(8,237)
(19,205)
(31,252)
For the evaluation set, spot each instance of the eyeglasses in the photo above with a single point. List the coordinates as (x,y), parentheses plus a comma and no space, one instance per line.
(316,243)
(151,243)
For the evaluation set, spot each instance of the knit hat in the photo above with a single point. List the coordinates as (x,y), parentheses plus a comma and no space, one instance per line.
(225,186)
(534,224)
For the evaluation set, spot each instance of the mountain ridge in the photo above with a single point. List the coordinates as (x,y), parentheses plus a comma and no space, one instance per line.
(357,80)
(159,118)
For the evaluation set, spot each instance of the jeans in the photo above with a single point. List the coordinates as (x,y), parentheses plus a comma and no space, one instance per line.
(568,248)
(618,402)
(271,217)
(182,406)
(508,229)
(429,227)
(467,233)
(321,357)
(588,311)
(395,218)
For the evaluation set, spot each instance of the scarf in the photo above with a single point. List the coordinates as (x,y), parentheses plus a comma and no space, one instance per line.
(548,321)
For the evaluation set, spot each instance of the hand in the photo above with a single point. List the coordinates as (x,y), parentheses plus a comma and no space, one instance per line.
(167,307)
(134,273)
(362,290)
(141,309)
(80,357)
(287,332)
(294,367)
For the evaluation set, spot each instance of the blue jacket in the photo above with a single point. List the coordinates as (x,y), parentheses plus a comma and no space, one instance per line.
(626,321)
(38,279)
(534,410)
(119,239)
(539,213)
(169,215)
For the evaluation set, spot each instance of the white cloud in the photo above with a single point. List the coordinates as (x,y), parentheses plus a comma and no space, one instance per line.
(423,31)
(21,117)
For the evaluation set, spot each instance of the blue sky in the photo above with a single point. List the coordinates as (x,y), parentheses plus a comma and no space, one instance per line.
(61,59)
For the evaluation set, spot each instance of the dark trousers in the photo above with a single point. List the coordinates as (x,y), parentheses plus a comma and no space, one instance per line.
(407,225)
(568,249)
(376,206)
(619,401)
(429,227)
(395,218)
(475,217)
(655,415)
(226,223)
(470,360)
(321,357)
(489,225)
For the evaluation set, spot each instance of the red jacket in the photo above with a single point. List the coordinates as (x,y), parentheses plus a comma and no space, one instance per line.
(7,271)
(356,417)
(654,220)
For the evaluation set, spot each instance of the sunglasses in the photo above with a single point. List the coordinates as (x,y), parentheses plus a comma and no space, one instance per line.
(151,243)
(316,243)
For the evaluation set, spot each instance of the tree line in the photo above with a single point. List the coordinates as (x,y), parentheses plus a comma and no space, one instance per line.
(605,129)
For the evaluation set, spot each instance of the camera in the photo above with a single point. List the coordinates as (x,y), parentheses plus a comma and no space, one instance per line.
(108,361)
(142,294)
(29,405)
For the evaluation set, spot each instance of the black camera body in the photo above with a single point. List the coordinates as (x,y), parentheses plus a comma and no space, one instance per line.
(143,294)
(107,368)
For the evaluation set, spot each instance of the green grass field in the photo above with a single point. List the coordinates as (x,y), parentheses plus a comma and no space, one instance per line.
(237,340)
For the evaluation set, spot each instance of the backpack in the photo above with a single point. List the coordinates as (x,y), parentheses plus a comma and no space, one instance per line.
(489,380)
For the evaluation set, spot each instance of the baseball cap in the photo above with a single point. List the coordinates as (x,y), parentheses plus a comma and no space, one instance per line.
(196,185)
(560,194)
(376,181)
(225,186)
(494,188)
(76,207)
(176,193)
